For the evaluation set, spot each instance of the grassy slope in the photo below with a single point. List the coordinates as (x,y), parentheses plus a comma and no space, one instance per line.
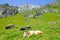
(51,31)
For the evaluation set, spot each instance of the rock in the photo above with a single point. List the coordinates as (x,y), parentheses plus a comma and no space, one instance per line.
(39,14)
(53,23)
(32,16)
(6,10)
(1,15)
(55,10)
(46,10)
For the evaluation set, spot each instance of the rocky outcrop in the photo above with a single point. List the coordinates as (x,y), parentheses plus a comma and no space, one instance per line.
(7,10)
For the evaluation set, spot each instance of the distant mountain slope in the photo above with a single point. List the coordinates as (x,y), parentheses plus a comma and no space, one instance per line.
(27,9)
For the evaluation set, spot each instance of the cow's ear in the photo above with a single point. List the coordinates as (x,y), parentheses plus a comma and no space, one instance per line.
(28,33)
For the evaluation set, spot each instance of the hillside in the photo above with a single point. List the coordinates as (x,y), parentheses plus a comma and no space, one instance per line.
(49,23)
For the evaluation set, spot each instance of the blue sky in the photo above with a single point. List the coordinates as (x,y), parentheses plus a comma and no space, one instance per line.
(20,2)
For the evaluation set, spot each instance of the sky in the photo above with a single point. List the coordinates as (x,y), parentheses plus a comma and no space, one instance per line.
(20,2)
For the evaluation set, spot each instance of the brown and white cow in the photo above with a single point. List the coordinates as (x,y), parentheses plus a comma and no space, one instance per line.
(29,33)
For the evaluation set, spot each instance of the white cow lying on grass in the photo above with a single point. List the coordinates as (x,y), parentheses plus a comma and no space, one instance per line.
(29,33)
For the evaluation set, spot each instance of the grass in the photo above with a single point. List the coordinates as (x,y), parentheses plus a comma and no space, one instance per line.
(51,31)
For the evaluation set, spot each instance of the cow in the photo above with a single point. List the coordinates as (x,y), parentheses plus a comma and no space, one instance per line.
(25,28)
(22,29)
(9,26)
(29,33)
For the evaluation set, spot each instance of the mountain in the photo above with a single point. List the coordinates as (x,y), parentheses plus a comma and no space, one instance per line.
(27,9)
